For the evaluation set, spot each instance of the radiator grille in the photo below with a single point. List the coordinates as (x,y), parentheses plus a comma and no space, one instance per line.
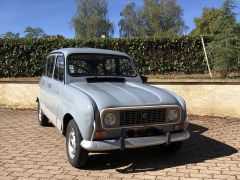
(142,117)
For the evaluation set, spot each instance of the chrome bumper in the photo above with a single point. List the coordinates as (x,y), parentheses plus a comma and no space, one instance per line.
(134,142)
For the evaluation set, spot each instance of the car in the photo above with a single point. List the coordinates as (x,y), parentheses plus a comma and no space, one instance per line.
(99,102)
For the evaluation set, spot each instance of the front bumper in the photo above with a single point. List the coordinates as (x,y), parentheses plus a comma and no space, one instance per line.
(134,142)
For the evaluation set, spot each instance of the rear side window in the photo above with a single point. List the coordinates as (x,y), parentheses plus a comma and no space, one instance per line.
(59,69)
(50,66)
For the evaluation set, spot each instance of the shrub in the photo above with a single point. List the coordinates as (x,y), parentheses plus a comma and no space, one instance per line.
(25,57)
(224,53)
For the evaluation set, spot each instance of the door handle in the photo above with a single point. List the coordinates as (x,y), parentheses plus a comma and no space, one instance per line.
(49,85)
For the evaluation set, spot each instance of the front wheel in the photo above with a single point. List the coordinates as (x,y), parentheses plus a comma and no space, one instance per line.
(77,156)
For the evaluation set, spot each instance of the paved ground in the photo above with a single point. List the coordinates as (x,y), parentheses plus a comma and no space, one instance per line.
(30,151)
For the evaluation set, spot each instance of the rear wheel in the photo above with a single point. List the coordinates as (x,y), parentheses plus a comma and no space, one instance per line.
(77,156)
(172,148)
(42,119)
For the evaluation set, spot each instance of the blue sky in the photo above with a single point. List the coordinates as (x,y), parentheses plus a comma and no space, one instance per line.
(54,16)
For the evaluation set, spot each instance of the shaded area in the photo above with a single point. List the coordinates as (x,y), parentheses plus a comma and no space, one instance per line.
(195,150)
(28,150)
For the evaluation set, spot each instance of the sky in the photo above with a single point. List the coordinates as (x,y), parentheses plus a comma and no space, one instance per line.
(54,16)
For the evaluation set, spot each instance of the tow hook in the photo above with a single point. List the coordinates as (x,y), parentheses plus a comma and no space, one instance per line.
(168,136)
(122,141)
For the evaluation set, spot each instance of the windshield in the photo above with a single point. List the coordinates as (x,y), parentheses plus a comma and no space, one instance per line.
(100,65)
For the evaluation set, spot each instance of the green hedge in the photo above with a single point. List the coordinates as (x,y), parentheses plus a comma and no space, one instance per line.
(25,57)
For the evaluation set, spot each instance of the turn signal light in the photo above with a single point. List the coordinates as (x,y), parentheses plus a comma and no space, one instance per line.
(99,134)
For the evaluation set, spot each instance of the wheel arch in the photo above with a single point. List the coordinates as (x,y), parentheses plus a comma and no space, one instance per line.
(66,119)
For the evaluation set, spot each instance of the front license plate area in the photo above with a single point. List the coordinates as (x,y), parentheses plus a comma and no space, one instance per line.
(144,132)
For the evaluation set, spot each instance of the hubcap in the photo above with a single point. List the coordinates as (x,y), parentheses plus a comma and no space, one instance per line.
(72,144)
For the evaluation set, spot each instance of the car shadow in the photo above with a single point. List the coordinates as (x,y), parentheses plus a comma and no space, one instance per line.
(195,150)
(49,124)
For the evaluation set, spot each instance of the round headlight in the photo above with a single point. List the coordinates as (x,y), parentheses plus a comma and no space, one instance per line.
(110,119)
(172,115)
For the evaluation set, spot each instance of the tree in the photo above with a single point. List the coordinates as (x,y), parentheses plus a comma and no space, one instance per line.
(223,25)
(91,19)
(216,21)
(226,23)
(10,35)
(203,24)
(157,17)
(34,32)
(163,17)
(131,23)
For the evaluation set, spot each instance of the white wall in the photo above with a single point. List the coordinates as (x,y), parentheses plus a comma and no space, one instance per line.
(202,99)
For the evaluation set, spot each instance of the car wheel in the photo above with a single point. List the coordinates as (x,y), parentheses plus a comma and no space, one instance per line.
(77,156)
(42,119)
(172,148)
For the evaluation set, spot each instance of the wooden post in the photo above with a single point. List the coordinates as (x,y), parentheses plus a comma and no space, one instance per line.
(206,58)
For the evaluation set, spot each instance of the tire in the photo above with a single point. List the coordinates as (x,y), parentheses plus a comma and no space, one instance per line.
(42,119)
(77,156)
(172,148)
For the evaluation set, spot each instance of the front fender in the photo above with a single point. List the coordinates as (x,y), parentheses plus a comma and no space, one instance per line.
(179,98)
(81,108)
(84,117)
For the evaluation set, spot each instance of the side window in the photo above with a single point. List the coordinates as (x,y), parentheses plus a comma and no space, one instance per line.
(50,66)
(59,69)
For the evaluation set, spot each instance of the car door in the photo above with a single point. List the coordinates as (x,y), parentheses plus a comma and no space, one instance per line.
(43,89)
(57,88)
(49,88)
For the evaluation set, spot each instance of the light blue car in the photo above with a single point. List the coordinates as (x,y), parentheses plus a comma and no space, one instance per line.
(97,99)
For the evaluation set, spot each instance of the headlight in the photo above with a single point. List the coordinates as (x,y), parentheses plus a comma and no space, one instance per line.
(173,115)
(110,119)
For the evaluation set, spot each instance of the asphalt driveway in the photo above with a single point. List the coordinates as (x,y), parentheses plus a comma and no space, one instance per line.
(30,151)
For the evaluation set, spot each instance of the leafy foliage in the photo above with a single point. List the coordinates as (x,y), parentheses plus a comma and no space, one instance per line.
(156,18)
(131,24)
(91,19)
(224,55)
(163,16)
(25,57)
(215,21)
(222,23)
(205,22)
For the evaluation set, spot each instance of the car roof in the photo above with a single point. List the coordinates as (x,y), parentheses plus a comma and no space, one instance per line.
(67,51)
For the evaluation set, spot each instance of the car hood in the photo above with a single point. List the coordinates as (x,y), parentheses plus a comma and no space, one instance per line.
(108,94)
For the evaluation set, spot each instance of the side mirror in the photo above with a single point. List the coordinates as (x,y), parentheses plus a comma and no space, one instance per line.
(144,79)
